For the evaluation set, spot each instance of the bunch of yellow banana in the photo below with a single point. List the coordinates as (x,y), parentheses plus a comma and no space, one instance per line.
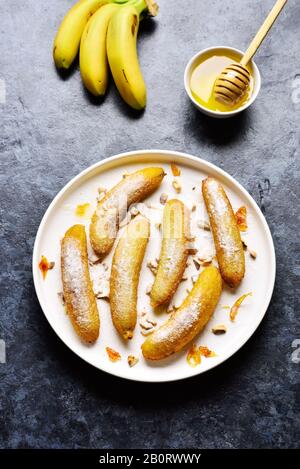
(105,31)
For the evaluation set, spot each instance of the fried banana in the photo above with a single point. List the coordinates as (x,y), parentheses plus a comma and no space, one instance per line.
(112,209)
(188,320)
(78,292)
(226,234)
(125,272)
(174,252)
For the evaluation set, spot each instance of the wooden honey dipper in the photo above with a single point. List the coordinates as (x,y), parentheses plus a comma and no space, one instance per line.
(231,85)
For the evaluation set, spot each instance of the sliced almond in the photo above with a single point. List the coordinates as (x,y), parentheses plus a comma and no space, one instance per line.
(134,211)
(163,198)
(151,321)
(146,326)
(145,333)
(132,360)
(152,266)
(103,291)
(61,297)
(205,261)
(219,329)
(101,190)
(204,225)
(177,186)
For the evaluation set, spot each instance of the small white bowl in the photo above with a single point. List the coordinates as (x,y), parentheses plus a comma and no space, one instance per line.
(218,114)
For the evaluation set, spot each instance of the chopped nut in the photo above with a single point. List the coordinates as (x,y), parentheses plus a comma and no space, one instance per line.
(163,198)
(103,291)
(194,207)
(146,326)
(158,226)
(177,304)
(154,323)
(219,329)
(205,262)
(93,259)
(204,225)
(152,266)
(154,206)
(132,360)
(245,244)
(177,186)
(252,253)
(134,211)
(61,297)
(113,355)
(193,188)
(175,170)
(145,333)
(102,190)
(197,264)
(51,265)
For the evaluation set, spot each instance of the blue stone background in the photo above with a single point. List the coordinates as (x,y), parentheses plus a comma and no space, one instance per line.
(51,130)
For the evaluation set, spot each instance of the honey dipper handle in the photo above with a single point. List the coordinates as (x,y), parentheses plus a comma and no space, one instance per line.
(263,31)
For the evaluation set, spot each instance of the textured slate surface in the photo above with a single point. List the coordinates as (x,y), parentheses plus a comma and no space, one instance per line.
(51,130)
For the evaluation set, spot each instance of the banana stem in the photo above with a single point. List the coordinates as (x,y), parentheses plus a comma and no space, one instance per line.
(147,6)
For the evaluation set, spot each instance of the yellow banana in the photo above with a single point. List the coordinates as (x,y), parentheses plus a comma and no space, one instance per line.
(68,37)
(112,209)
(187,321)
(174,252)
(92,57)
(122,52)
(78,292)
(125,272)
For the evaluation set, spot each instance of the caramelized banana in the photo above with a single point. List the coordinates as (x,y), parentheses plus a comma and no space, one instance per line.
(227,238)
(125,272)
(188,320)
(77,286)
(112,209)
(174,252)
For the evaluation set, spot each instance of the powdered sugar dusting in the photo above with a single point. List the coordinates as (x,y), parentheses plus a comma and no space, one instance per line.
(75,281)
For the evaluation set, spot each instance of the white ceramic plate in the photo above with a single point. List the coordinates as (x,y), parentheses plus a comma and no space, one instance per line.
(259,278)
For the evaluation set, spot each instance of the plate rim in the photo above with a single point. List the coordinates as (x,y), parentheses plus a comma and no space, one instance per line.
(155,153)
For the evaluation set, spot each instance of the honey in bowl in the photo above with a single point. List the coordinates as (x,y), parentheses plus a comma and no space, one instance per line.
(204,75)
